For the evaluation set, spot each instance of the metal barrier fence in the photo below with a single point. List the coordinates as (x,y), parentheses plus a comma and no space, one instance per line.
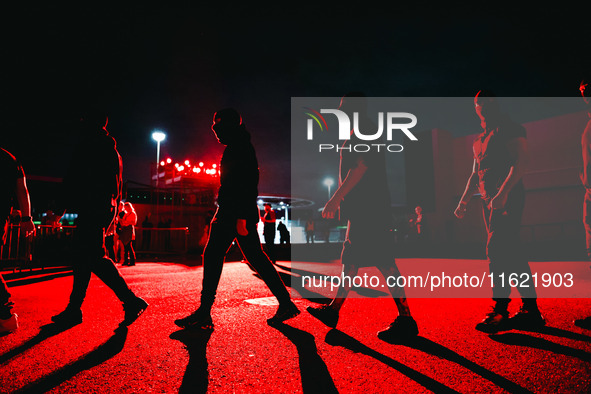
(52,244)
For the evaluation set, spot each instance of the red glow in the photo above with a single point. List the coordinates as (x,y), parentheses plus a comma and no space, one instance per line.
(168,161)
(187,162)
(201,164)
(214,165)
(162,163)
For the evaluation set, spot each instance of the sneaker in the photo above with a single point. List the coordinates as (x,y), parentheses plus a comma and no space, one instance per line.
(584,323)
(197,320)
(404,327)
(527,318)
(133,310)
(283,313)
(494,321)
(10,324)
(69,317)
(325,314)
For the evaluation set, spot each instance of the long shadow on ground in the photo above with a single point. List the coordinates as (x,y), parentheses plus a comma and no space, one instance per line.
(196,378)
(313,370)
(518,339)
(338,338)
(102,353)
(435,349)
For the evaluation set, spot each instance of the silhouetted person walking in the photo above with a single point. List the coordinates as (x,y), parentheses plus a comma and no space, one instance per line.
(369,239)
(585,90)
(236,218)
(500,156)
(284,237)
(92,188)
(13,179)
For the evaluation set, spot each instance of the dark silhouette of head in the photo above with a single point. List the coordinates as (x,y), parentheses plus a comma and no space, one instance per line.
(227,125)
(487,108)
(94,118)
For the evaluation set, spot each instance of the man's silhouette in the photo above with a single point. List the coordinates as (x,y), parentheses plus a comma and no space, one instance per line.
(236,218)
(13,177)
(500,155)
(363,183)
(92,188)
(585,90)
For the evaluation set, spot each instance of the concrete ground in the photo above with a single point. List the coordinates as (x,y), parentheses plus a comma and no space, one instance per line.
(244,354)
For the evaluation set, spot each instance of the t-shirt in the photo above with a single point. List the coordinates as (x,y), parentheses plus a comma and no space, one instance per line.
(370,198)
(10,171)
(493,158)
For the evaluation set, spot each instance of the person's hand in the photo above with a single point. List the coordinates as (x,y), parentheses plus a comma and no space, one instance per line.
(29,227)
(461,210)
(331,208)
(498,201)
(241,227)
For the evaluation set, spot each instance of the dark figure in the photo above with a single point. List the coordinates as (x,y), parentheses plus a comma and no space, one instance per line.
(236,218)
(128,220)
(284,237)
(586,179)
(13,177)
(500,155)
(369,239)
(269,231)
(147,233)
(310,231)
(94,193)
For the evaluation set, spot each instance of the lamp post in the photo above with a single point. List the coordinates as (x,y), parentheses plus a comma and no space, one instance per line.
(158,136)
(328,182)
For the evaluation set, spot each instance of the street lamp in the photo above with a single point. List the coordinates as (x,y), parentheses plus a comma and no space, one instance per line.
(158,136)
(328,182)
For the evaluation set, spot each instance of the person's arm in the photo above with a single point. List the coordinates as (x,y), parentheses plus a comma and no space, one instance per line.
(586,173)
(24,203)
(471,187)
(517,148)
(351,180)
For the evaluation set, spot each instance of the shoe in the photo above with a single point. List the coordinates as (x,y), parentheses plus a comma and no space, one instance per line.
(494,321)
(69,317)
(404,327)
(584,323)
(527,318)
(133,310)
(131,264)
(325,314)
(283,313)
(196,320)
(10,324)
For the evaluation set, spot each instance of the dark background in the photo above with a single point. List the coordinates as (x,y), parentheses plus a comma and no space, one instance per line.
(170,68)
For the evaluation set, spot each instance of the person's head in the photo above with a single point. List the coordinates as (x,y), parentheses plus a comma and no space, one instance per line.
(486,106)
(226,125)
(418,210)
(94,118)
(267,207)
(128,206)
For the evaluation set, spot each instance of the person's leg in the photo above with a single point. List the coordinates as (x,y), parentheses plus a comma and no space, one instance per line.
(131,253)
(5,304)
(260,261)
(397,293)
(221,235)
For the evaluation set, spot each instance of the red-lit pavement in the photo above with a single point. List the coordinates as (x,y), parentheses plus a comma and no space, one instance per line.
(244,354)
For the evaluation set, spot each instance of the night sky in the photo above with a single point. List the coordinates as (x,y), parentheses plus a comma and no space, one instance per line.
(170,68)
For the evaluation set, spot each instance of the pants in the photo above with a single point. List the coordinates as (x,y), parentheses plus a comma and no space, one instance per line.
(90,257)
(129,253)
(221,234)
(309,237)
(4,294)
(269,235)
(587,220)
(503,247)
